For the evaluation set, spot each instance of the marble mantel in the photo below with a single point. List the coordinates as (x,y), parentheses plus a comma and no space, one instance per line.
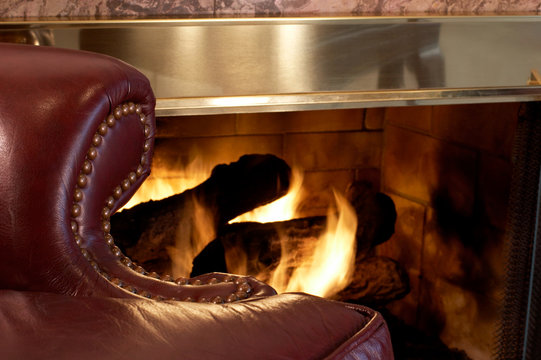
(209,8)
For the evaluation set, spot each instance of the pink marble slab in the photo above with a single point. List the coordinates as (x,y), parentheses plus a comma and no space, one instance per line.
(209,8)
(104,8)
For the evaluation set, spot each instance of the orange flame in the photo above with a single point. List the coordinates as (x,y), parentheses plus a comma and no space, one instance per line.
(280,210)
(195,231)
(326,269)
(175,182)
(330,268)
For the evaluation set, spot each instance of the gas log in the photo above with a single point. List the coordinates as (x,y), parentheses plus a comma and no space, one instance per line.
(261,245)
(147,230)
(257,248)
(376,281)
(147,233)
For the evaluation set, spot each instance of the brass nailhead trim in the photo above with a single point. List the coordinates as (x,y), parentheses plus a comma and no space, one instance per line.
(243,287)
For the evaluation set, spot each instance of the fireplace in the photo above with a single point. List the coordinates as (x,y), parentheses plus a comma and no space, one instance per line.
(449,186)
(408,105)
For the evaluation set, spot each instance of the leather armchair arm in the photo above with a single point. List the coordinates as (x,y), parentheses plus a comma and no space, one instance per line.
(288,326)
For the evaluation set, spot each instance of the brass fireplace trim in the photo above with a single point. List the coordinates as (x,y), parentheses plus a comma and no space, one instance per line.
(234,65)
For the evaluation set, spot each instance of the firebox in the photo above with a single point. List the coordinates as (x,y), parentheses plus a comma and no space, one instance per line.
(434,121)
(448,171)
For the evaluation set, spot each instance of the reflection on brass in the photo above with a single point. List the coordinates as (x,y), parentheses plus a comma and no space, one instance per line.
(535,78)
(203,66)
(23,36)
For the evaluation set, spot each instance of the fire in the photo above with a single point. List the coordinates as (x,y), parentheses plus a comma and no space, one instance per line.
(282,209)
(175,183)
(194,232)
(330,268)
(324,269)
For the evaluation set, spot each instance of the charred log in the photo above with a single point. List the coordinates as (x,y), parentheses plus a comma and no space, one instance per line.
(146,231)
(256,248)
(377,280)
(376,214)
(260,244)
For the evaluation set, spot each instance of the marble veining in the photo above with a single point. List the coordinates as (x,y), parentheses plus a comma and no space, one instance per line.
(104,8)
(11,9)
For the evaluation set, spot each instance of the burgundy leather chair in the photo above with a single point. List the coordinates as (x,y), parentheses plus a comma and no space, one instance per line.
(76,138)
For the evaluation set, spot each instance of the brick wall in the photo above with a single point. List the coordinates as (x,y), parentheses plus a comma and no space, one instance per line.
(332,148)
(448,170)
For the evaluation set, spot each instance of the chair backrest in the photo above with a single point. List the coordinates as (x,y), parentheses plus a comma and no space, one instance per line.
(76,139)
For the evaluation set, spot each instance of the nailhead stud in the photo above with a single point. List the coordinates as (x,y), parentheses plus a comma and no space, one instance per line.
(106,213)
(146,147)
(229,278)
(167,278)
(96,140)
(127,261)
(117,112)
(110,121)
(87,167)
(117,192)
(110,202)
(125,184)
(75,210)
(181,281)
(109,240)
(106,226)
(92,153)
(78,195)
(102,129)
(116,251)
(245,288)
(82,181)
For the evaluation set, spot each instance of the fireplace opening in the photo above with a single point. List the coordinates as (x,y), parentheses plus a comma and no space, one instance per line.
(431,183)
